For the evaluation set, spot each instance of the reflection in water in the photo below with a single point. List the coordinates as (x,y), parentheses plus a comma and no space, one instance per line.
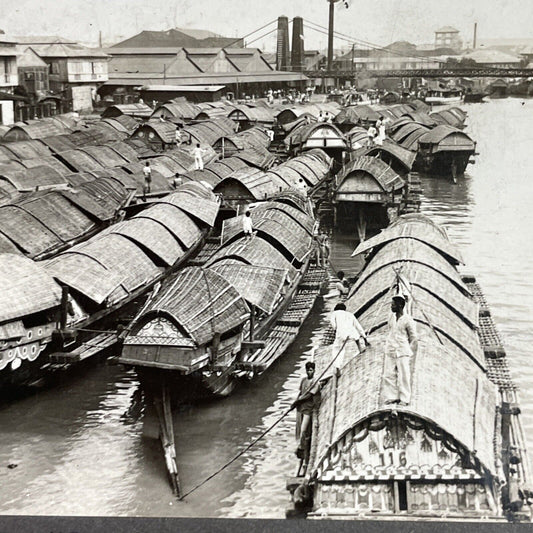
(80,450)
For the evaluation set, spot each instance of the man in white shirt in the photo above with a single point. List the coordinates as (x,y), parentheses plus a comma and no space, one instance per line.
(347,328)
(247,225)
(198,159)
(401,344)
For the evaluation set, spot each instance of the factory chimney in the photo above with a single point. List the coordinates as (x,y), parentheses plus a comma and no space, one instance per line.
(282,52)
(475,36)
(298,53)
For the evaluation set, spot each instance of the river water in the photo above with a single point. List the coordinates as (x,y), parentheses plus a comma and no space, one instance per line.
(78,449)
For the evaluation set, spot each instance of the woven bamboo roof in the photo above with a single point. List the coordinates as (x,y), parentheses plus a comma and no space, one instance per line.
(27,232)
(182,158)
(200,208)
(27,149)
(376,168)
(258,183)
(176,221)
(414,251)
(422,276)
(85,274)
(446,137)
(406,129)
(7,246)
(202,302)
(300,134)
(448,390)
(417,227)
(285,224)
(259,286)
(405,157)
(31,178)
(59,215)
(152,235)
(37,130)
(354,114)
(252,114)
(25,288)
(79,161)
(59,143)
(166,131)
(295,198)
(420,117)
(231,163)
(197,189)
(125,150)
(447,116)
(123,257)
(205,176)
(184,110)
(255,251)
(303,218)
(105,156)
(101,198)
(159,183)
(290,176)
(171,166)
(50,161)
(257,157)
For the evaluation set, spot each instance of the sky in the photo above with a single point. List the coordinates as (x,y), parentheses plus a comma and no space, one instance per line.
(380,22)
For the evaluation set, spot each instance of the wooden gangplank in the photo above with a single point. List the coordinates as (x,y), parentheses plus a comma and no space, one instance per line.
(90,348)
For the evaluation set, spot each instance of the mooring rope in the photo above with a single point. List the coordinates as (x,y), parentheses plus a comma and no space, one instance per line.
(266,431)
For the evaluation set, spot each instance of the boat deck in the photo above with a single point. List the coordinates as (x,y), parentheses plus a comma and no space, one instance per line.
(288,325)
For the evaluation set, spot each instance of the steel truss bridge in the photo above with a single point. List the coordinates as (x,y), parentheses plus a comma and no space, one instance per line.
(469,72)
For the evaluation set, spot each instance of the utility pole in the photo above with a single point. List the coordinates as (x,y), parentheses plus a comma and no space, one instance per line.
(330,32)
(475,36)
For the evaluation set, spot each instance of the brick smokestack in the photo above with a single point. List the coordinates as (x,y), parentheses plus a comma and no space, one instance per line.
(282,53)
(298,54)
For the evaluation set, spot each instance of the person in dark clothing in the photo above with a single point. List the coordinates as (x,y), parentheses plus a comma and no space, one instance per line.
(305,403)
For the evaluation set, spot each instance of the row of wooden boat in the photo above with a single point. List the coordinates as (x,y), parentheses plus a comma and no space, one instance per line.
(57,307)
(457,450)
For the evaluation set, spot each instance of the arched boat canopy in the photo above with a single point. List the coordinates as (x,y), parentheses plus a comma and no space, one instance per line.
(367,179)
(446,138)
(134,110)
(201,302)
(181,110)
(318,135)
(415,226)
(250,182)
(403,157)
(252,114)
(26,288)
(353,115)
(439,444)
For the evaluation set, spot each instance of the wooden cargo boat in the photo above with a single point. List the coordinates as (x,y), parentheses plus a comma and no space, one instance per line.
(367,194)
(99,278)
(213,321)
(457,450)
(445,151)
(234,317)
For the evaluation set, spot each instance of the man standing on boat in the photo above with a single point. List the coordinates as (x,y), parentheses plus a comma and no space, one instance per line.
(147,186)
(401,345)
(305,404)
(247,225)
(347,328)
(198,157)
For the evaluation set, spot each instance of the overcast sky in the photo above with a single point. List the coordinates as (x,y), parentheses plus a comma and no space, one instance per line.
(380,22)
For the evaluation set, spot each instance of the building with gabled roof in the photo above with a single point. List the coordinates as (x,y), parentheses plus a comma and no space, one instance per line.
(178,37)
(448,37)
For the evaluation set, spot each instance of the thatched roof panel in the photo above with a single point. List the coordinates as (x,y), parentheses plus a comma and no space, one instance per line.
(202,302)
(26,231)
(105,156)
(27,149)
(176,221)
(405,157)
(255,251)
(201,208)
(437,373)
(79,160)
(59,143)
(32,178)
(386,177)
(152,235)
(84,274)
(417,227)
(51,162)
(25,288)
(259,286)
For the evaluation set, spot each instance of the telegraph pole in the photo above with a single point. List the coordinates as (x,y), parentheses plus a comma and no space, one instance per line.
(330,32)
